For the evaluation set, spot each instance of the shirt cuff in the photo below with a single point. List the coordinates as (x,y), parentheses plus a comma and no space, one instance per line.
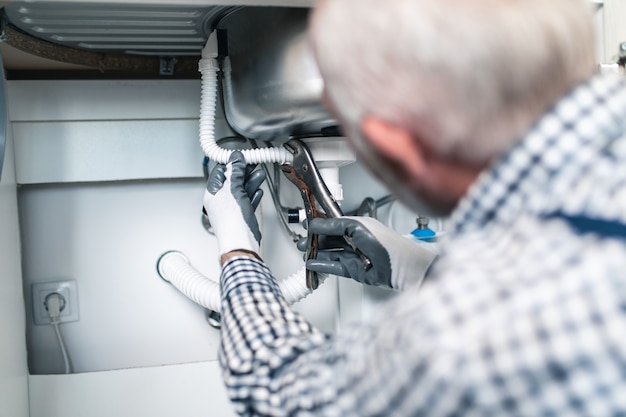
(244,270)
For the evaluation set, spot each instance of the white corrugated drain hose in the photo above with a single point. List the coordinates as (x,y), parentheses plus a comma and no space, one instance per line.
(209,67)
(174,267)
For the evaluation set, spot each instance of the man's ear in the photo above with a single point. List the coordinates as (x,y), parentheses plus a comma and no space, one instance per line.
(396,144)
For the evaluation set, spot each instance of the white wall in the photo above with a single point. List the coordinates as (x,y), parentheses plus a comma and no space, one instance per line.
(108,238)
(106,224)
(13,371)
(191,390)
(613,31)
(100,201)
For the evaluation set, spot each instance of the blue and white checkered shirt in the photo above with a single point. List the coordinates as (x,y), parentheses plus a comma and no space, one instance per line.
(524,314)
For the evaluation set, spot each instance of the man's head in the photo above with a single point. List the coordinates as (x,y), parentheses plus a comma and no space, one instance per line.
(430,91)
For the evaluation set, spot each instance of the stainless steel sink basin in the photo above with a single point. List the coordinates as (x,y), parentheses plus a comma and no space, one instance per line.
(271,85)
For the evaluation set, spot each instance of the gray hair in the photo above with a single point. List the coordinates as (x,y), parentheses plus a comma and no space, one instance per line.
(469,75)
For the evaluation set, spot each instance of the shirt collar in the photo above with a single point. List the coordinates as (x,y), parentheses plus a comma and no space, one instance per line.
(535,174)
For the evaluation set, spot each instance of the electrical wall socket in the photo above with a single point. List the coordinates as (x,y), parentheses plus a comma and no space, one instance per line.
(67,289)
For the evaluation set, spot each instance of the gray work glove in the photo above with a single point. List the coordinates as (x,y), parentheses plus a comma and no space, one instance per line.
(396,260)
(231,197)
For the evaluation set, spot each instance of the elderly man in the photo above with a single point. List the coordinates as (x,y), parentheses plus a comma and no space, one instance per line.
(490,109)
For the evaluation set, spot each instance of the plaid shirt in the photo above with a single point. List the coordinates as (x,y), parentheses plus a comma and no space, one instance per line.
(524,313)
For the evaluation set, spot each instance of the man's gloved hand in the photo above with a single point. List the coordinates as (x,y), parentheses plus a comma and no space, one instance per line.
(232,194)
(396,260)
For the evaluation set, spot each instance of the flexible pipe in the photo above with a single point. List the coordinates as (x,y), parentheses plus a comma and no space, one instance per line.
(294,286)
(209,67)
(174,267)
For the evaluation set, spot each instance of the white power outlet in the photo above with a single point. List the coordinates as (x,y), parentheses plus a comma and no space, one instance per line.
(67,289)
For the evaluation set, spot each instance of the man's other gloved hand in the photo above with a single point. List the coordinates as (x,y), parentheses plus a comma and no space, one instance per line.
(232,194)
(396,260)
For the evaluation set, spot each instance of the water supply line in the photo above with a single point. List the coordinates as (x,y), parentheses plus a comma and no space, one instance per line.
(209,67)
(174,267)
